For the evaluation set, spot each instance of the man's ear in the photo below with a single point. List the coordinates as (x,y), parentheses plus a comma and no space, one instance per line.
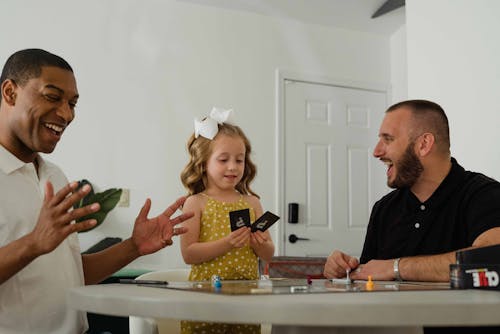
(425,143)
(9,92)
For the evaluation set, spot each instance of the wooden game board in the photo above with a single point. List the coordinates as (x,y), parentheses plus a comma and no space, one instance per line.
(300,286)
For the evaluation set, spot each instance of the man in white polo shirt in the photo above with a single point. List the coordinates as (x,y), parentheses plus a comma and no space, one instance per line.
(39,251)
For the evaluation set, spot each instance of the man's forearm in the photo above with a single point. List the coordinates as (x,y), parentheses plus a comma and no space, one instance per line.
(437,267)
(430,268)
(98,266)
(15,256)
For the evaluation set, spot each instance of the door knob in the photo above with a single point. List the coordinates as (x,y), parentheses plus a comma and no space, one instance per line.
(293,238)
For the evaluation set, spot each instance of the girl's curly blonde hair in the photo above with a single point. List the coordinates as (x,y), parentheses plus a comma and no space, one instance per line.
(194,177)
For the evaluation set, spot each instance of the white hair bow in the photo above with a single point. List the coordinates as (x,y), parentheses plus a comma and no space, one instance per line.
(209,127)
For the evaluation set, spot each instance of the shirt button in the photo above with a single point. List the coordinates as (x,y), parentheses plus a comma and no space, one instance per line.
(422,207)
(417,225)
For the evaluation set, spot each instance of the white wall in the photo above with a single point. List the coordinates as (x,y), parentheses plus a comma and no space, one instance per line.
(399,66)
(145,69)
(454,59)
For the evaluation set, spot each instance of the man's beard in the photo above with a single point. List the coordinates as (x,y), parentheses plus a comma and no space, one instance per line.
(408,169)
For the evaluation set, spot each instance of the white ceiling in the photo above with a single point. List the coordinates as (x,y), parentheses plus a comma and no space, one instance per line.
(347,14)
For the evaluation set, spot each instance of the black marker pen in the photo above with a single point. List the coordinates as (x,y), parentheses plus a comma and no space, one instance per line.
(142,282)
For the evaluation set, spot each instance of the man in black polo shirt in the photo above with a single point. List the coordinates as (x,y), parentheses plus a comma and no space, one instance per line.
(437,207)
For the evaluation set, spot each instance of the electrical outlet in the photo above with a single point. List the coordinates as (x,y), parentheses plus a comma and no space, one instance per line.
(124,201)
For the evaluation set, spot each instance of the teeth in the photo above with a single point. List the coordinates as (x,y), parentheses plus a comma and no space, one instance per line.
(54,127)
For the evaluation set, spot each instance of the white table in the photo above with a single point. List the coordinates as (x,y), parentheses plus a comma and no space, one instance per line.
(367,312)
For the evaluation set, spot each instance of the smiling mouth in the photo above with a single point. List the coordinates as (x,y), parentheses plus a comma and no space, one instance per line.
(389,165)
(56,129)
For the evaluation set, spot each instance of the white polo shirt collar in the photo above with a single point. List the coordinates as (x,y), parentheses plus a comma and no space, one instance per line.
(8,161)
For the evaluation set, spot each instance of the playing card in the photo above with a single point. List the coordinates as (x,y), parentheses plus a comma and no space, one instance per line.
(239,218)
(264,222)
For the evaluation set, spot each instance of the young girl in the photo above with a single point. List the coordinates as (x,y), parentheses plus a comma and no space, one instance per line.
(218,178)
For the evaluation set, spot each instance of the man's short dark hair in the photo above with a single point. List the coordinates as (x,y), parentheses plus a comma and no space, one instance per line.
(27,64)
(429,117)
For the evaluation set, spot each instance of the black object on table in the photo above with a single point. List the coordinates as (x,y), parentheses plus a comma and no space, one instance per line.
(105,324)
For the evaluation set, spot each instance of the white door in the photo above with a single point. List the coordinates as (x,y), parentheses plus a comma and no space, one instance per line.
(329,136)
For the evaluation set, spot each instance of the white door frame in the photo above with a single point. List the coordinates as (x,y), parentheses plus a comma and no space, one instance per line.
(280,77)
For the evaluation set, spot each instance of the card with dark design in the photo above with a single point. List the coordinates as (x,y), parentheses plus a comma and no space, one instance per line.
(264,222)
(239,218)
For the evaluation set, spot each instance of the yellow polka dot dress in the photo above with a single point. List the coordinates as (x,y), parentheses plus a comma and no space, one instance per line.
(239,263)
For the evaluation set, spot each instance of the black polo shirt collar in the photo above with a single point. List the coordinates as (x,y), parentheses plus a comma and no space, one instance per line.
(449,185)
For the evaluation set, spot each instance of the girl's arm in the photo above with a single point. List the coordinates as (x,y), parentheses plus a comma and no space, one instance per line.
(261,242)
(195,252)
